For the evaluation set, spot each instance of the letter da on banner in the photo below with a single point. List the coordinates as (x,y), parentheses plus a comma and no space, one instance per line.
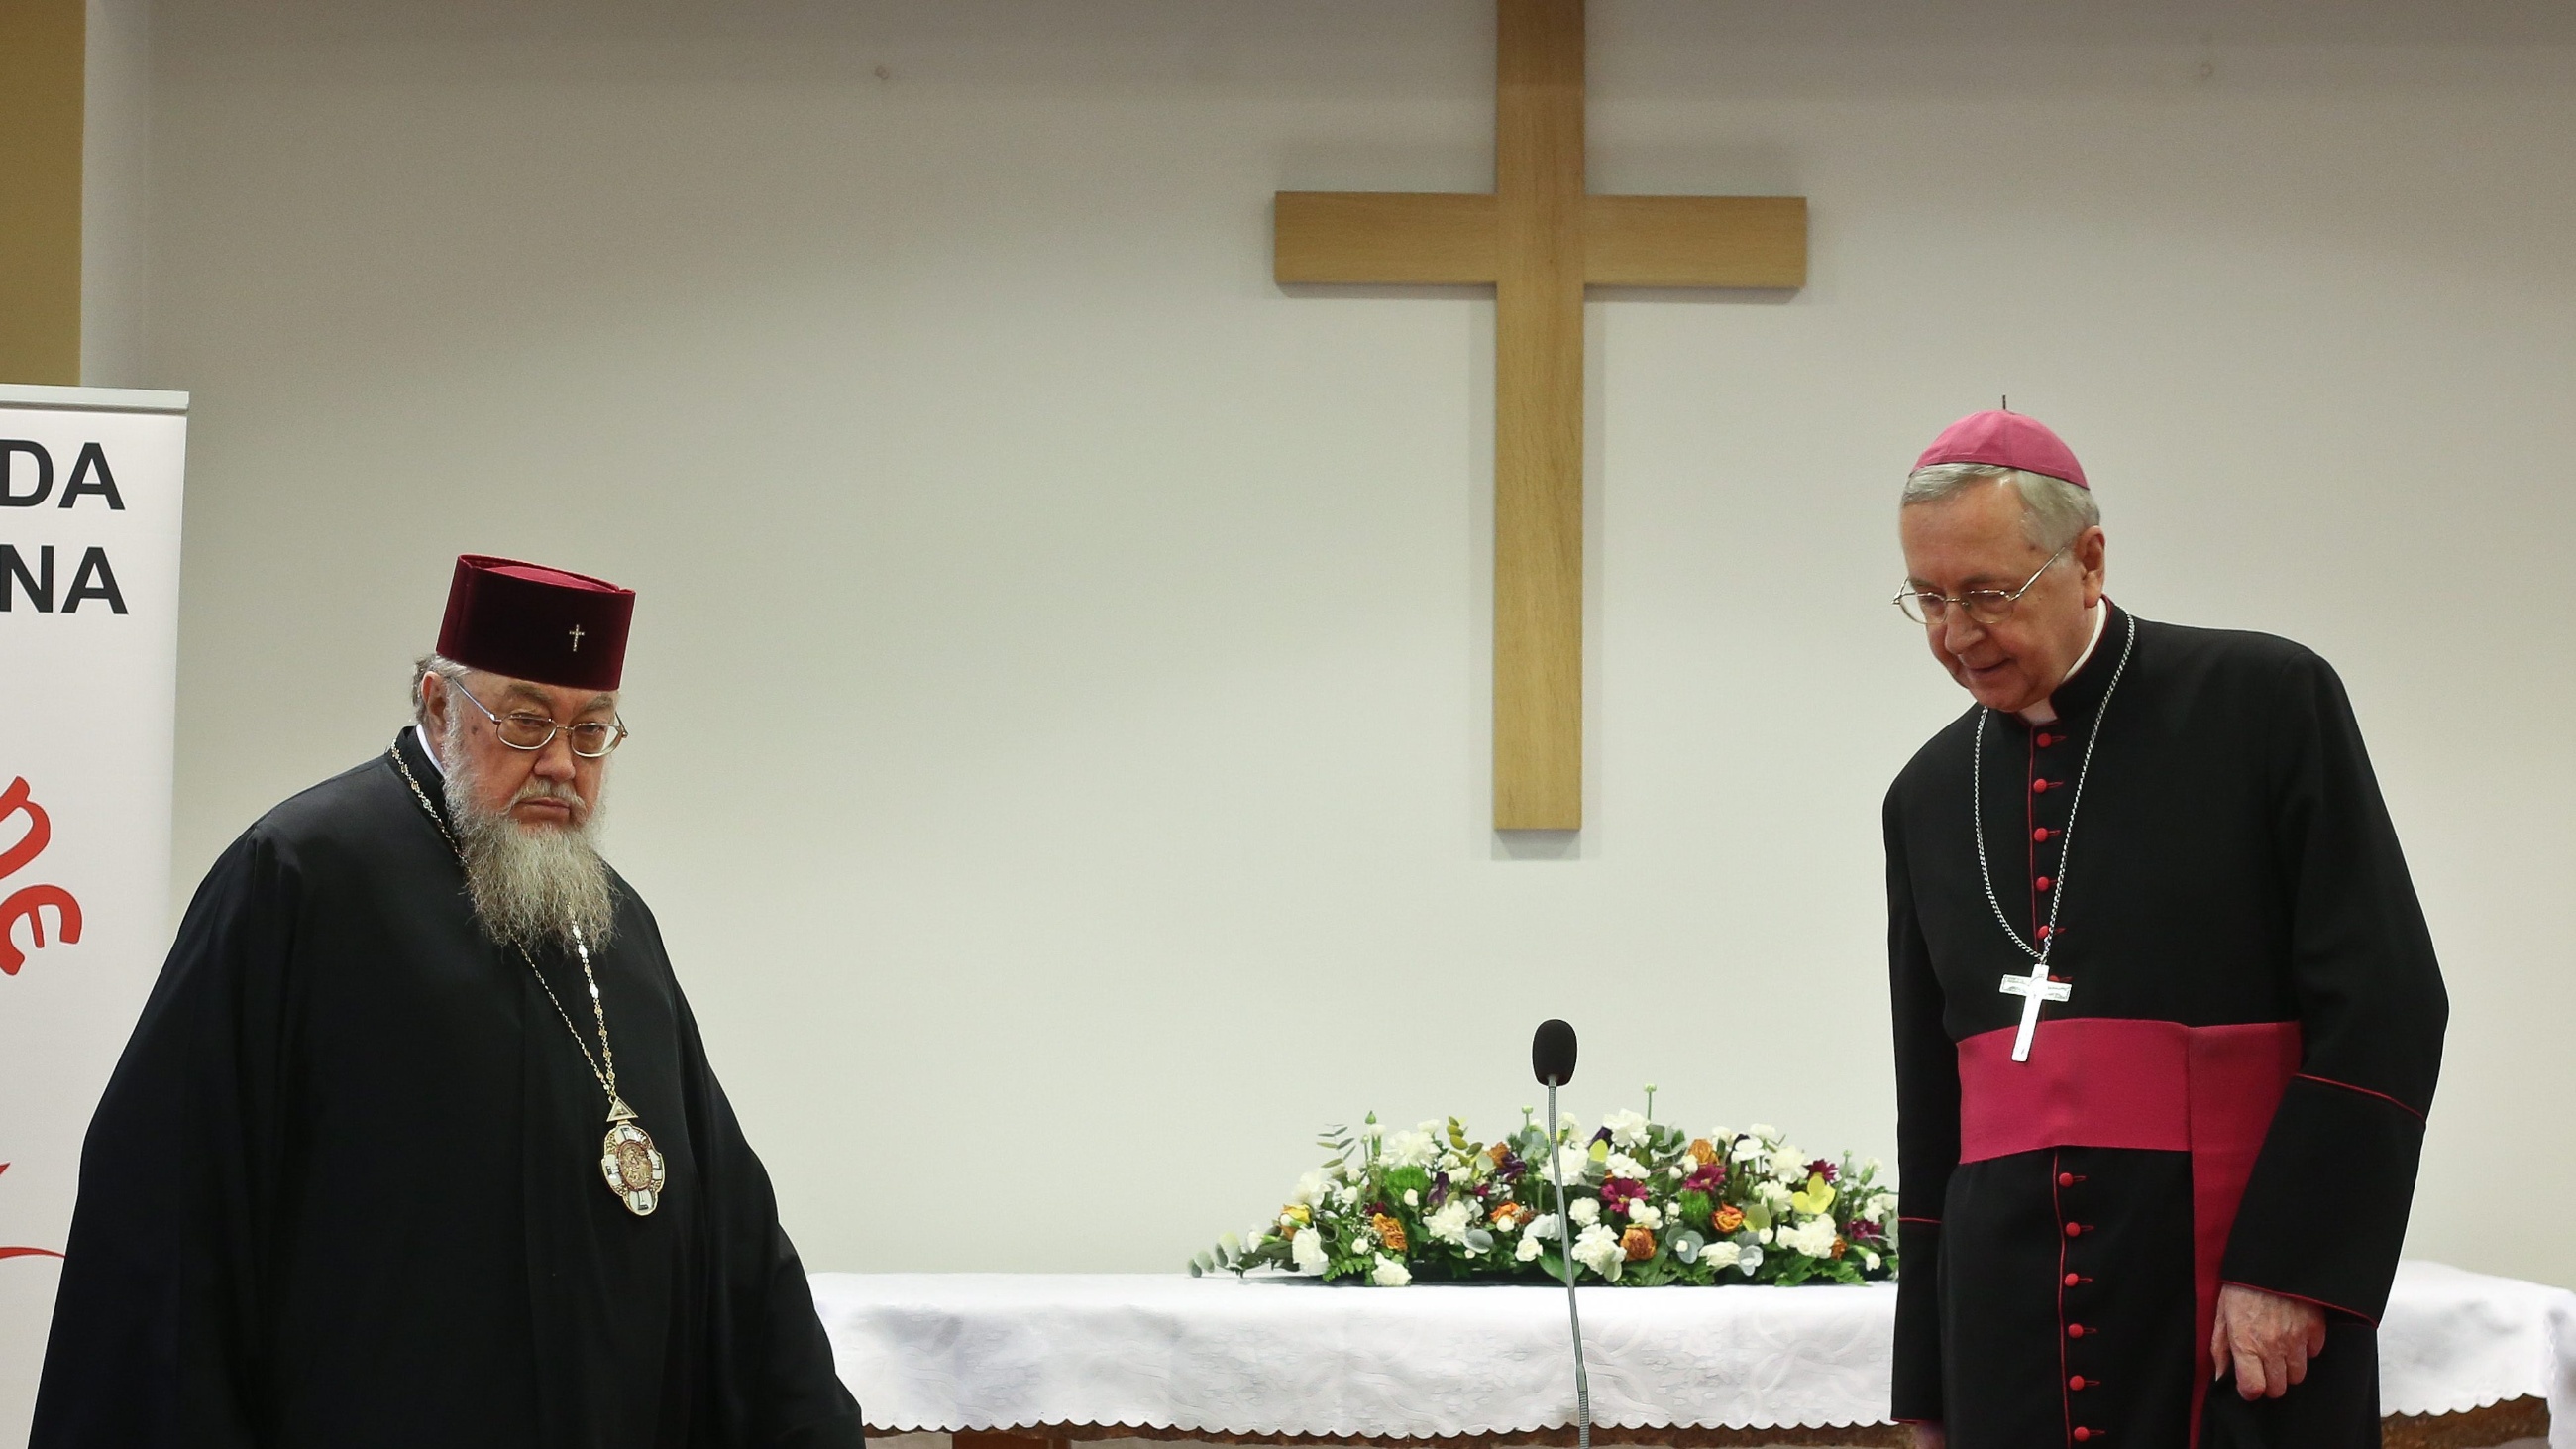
(90,493)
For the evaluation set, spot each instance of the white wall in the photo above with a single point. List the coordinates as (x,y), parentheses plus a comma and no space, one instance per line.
(1059,682)
(116,181)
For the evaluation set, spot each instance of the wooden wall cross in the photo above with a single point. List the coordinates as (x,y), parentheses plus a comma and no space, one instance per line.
(1537,240)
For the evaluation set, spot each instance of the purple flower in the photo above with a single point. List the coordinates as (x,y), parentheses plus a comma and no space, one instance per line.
(1618,1193)
(1439,1189)
(1710,1179)
(1821,1168)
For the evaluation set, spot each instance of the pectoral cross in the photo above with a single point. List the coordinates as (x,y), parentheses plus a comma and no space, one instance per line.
(576,638)
(2033,989)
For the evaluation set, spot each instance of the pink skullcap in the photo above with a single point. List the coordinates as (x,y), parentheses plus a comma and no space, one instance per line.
(2005,440)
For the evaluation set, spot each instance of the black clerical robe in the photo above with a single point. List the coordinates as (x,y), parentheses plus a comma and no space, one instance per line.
(345,1188)
(2234,1091)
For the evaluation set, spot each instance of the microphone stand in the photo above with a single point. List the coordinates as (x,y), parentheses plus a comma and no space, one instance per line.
(1573,1314)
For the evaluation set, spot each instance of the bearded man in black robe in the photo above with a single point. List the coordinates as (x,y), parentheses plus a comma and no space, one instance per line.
(2167,1014)
(416,1142)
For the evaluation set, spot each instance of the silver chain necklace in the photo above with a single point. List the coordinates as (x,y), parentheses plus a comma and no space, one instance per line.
(2066,837)
(634,1169)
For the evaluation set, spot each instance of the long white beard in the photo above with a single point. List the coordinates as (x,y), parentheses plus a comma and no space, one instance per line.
(532,887)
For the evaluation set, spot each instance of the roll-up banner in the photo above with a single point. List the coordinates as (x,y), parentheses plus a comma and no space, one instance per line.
(89,647)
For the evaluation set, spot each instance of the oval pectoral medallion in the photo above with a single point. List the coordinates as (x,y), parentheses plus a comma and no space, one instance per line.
(633,1168)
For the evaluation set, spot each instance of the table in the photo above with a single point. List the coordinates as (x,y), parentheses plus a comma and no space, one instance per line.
(1057,1356)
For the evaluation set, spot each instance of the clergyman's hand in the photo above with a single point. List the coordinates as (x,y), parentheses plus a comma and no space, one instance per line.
(2270,1339)
(1930,1436)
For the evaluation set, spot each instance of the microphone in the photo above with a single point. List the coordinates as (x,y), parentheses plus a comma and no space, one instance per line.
(1552,1061)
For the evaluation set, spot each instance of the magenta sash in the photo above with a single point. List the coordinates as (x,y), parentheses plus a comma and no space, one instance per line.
(2158,1085)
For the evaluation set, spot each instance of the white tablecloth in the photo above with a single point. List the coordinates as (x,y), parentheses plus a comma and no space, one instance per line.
(949,1351)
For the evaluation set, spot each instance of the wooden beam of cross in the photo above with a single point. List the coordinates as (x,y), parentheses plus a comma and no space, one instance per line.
(1538,240)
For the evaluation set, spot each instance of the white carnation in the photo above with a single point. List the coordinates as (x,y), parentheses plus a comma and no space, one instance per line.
(1571,1161)
(1746,1149)
(1771,1195)
(1646,1215)
(1307,1248)
(1412,1149)
(1597,1248)
(1765,1131)
(1449,1224)
(1390,1272)
(1529,1249)
(1310,1187)
(1814,1237)
(1622,1165)
(1789,1164)
(1586,1211)
(1763,1236)
(1882,1207)
(1542,1226)
(1722,1255)
(1627,1129)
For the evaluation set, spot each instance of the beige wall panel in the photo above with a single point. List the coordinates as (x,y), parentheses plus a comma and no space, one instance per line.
(41,66)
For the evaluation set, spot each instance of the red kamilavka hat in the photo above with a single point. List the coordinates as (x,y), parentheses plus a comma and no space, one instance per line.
(2005,440)
(536,623)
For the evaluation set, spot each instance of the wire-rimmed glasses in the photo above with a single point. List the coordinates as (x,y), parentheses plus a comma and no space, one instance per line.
(520,730)
(1986,606)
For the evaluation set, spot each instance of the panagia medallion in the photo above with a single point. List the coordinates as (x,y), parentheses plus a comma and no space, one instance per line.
(628,1160)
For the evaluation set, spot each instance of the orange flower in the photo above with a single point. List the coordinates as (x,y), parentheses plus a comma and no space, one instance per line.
(1510,1215)
(1702,1152)
(1638,1243)
(1729,1218)
(1498,1152)
(1839,1247)
(1297,1213)
(1389,1232)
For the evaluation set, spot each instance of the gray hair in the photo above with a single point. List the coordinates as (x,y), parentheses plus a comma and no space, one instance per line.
(2054,512)
(428,664)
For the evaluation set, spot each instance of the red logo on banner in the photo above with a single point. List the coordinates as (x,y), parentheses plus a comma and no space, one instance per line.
(29,902)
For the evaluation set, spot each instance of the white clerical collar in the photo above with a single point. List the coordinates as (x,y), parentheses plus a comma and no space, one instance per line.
(422,736)
(2043,712)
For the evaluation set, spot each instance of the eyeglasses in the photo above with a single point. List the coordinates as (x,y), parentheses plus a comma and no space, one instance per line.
(523,731)
(1986,606)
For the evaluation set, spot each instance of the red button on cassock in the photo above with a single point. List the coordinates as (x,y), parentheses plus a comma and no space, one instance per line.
(2043,933)
(2039,787)
(2043,882)
(2082,1434)
(2072,1280)
(2045,740)
(2066,1179)
(2075,1330)
(2074,1229)
(2076,1383)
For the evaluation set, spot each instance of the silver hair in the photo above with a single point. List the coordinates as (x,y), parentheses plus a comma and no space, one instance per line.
(533,889)
(428,664)
(2054,512)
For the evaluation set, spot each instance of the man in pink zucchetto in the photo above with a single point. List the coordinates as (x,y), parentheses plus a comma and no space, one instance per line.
(2167,1014)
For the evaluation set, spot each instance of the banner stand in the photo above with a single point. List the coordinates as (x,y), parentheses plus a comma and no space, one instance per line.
(90,492)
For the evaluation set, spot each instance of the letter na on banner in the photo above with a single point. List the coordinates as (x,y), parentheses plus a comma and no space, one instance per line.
(94,578)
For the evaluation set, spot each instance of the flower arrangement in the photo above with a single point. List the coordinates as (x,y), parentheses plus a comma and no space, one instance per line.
(1650,1205)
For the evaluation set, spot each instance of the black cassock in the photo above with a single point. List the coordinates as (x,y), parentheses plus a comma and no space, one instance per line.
(344,1188)
(2235,1091)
